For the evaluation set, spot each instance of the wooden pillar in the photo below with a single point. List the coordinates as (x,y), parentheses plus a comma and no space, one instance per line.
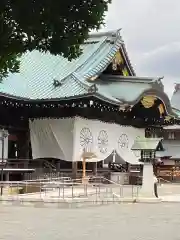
(7,176)
(23,145)
(84,167)
(27,147)
(128,166)
(58,166)
(74,170)
(94,168)
(85,180)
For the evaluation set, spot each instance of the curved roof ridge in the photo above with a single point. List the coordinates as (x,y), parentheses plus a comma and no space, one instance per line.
(104,96)
(93,53)
(129,78)
(138,78)
(81,66)
(111,33)
(81,83)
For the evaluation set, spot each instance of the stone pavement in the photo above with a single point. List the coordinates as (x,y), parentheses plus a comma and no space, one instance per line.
(126,221)
(171,198)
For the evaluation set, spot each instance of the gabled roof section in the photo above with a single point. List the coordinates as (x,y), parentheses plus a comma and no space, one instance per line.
(45,76)
(132,89)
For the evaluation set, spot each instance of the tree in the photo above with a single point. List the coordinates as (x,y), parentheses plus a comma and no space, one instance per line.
(46,25)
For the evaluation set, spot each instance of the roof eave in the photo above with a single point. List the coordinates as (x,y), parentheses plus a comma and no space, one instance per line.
(96,95)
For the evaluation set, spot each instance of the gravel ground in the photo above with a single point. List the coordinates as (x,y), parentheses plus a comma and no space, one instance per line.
(157,221)
(127,221)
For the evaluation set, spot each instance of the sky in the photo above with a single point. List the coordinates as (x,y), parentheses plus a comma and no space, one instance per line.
(151,31)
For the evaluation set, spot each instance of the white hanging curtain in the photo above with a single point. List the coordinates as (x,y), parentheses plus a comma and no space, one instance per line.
(52,138)
(66,139)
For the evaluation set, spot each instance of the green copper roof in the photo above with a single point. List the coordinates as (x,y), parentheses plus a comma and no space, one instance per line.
(124,90)
(38,70)
(131,89)
(147,144)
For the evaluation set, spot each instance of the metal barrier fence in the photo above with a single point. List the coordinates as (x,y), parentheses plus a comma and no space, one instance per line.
(49,179)
(63,192)
(65,189)
(56,174)
(162,180)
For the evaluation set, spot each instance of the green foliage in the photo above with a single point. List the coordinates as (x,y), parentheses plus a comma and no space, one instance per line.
(46,25)
(9,63)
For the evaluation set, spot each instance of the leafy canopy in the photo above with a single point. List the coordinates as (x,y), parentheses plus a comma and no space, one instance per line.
(45,25)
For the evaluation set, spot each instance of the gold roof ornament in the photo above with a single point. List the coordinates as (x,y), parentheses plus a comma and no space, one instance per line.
(118,60)
(167,118)
(148,101)
(161,109)
(124,107)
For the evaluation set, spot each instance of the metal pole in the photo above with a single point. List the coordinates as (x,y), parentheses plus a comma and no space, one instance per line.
(72,190)
(2,163)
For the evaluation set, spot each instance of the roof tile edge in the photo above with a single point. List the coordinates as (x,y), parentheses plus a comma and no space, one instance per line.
(112,33)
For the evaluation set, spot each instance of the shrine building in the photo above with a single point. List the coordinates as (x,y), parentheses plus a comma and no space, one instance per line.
(54,109)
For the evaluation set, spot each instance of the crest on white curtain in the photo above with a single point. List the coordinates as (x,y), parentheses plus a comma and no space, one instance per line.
(86,139)
(103,141)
